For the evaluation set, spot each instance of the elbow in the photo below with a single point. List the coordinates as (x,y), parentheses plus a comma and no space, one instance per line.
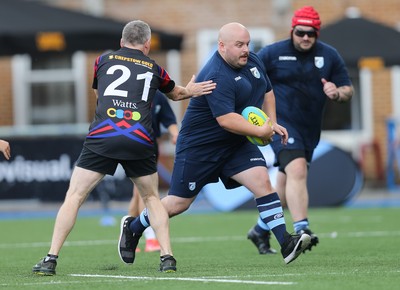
(223,123)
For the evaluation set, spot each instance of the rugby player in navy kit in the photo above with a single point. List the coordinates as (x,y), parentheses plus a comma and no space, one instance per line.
(125,82)
(212,143)
(305,73)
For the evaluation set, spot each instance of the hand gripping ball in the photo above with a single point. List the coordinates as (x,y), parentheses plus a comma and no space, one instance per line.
(256,117)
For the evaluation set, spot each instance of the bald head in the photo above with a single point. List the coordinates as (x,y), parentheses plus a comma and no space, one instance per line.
(230,31)
(233,44)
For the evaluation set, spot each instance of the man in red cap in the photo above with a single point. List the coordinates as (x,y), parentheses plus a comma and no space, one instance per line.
(305,73)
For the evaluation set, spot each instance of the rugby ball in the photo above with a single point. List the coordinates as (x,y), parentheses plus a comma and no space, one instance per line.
(256,117)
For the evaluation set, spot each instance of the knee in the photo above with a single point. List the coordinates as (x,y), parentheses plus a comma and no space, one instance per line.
(175,206)
(75,198)
(297,170)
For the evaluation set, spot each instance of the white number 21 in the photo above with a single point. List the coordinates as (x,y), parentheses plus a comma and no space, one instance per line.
(112,90)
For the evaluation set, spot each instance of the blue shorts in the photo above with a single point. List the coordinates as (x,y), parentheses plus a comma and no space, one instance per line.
(298,140)
(101,164)
(190,175)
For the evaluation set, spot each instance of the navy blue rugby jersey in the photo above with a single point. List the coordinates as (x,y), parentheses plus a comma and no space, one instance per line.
(162,113)
(201,135)
(126,81)
(296,80)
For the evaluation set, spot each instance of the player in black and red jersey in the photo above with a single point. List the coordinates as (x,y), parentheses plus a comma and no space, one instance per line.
(125,82)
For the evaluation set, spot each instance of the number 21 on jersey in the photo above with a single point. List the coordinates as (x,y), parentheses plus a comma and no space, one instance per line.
(112,90)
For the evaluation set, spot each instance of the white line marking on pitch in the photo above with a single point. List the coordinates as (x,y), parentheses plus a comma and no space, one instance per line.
(186,279)
(332,235)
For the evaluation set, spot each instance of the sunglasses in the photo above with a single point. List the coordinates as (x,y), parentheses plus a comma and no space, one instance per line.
(301,33)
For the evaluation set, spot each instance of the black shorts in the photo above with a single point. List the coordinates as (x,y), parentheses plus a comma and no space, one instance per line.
(133,168)
(286,156)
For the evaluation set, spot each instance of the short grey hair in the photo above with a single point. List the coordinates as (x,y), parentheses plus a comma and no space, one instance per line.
(136,32)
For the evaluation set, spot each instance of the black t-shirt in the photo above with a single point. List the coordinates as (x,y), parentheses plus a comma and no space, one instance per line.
(126,81)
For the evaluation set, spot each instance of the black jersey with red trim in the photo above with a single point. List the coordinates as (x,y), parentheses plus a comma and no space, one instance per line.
(126,81)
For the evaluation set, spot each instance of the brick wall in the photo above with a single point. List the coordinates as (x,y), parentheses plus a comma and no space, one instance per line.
(6,104)
(187,17)
(382,107)
(384,11)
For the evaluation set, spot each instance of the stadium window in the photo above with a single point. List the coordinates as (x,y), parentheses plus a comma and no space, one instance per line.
(52,103)
(49,90)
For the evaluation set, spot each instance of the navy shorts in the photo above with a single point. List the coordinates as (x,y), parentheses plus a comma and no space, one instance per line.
(105,165)
(191,175)
(295,148)
(286,156)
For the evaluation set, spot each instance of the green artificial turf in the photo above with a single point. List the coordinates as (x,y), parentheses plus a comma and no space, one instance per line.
(359,249)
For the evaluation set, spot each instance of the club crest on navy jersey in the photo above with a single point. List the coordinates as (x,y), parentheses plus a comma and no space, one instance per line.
(255,72)
(319,61)
(192,186)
